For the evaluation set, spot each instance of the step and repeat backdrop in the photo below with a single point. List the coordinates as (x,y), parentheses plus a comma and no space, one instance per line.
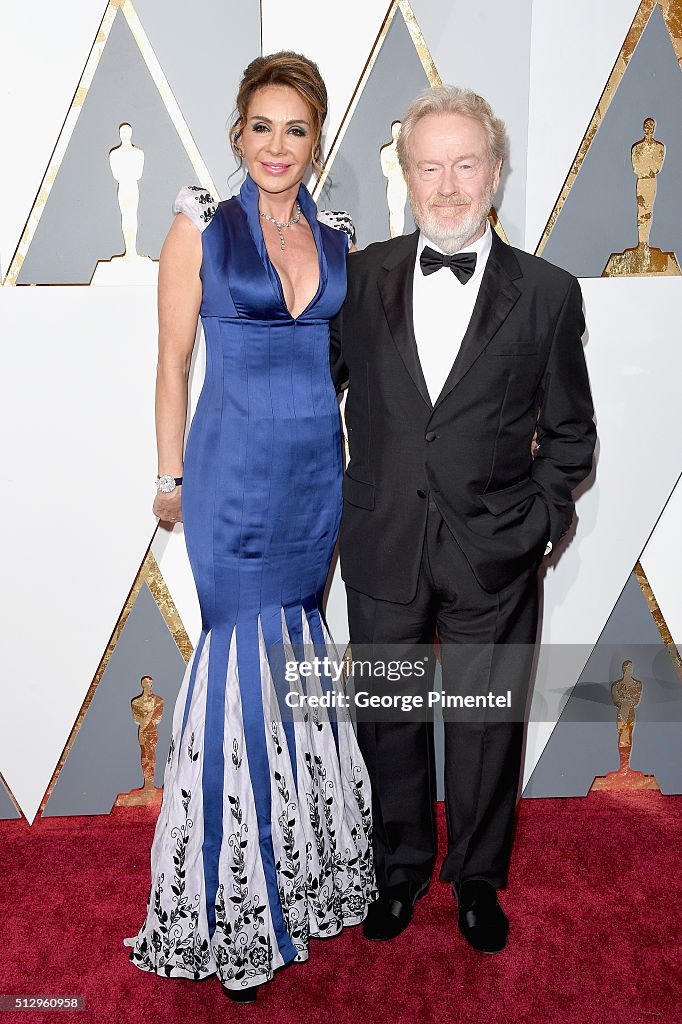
(108,110)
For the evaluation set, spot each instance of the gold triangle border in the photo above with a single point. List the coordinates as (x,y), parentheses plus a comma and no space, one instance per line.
(149,573)
(430,71)
(182,128)
(650,597)
(672,16)
(659,618)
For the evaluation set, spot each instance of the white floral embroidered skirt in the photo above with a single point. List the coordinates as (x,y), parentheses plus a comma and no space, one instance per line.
(264,833)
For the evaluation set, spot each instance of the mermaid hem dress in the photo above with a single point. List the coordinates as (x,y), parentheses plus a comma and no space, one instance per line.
(264,834)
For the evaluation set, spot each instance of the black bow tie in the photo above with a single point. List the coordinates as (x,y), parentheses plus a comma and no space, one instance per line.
(461,264)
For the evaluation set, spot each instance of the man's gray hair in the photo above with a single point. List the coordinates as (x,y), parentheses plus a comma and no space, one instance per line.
(451,99)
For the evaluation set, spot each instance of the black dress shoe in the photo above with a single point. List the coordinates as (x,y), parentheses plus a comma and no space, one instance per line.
(391,913)
(481,919)
(241,995)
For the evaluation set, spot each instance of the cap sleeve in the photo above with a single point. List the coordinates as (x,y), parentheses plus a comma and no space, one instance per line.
(197,203)
(340,220)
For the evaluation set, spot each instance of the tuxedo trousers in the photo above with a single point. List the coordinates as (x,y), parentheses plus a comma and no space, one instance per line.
(485,644)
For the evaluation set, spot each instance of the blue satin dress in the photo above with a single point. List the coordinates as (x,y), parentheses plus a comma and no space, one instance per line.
(264,834)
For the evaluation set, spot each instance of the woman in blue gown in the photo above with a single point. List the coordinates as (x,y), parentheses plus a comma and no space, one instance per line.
(264,833)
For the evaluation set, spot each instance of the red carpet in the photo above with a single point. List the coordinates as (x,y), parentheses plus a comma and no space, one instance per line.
(594,902)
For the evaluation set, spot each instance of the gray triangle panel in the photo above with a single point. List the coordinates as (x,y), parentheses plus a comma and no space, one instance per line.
(584,743)
(203,49)
(7,809)
(104,759)
(356,183)
(81,221)
(599,215)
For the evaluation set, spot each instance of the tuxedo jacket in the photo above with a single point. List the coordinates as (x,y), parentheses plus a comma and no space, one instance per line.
(520,366)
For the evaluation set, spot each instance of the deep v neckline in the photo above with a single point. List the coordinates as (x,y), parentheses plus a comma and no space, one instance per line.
(248,199)
(279,279)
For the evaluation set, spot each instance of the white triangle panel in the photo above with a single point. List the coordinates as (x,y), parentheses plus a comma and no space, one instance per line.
(79,366)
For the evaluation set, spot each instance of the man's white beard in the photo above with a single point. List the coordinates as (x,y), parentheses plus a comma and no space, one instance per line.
(451,237)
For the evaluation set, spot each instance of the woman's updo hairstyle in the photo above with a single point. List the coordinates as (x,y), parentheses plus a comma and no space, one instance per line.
(283,68)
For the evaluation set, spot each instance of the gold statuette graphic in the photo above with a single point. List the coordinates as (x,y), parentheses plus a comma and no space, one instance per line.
(127,164)
(626,693)
(647,160)
(147,710)
(396,186)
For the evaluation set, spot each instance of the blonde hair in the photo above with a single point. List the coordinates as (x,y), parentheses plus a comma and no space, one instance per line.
(283,68)
(451,99)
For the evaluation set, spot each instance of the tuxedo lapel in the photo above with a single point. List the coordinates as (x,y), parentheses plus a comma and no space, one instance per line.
(395,288)
(496,298)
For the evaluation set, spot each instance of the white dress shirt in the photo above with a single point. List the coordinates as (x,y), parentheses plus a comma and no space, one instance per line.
(442,308)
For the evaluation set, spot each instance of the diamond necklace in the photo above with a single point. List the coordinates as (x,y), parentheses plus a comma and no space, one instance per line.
(279,224)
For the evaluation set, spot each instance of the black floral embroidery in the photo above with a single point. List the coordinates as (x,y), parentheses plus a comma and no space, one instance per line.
(340,220)
(362,840)
(291,891)
(245,950)
(322,885)
(205,199)
(236,757)
(349,897)
(171,750)
(171,945)
(321,892)
(314,716)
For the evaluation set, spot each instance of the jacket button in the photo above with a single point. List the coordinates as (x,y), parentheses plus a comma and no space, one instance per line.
(421,493)
(431,436)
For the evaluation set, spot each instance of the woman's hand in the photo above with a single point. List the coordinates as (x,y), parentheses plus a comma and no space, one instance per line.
(167,507)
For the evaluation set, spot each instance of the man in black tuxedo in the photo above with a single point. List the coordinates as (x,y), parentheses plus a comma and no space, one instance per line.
(459,350)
